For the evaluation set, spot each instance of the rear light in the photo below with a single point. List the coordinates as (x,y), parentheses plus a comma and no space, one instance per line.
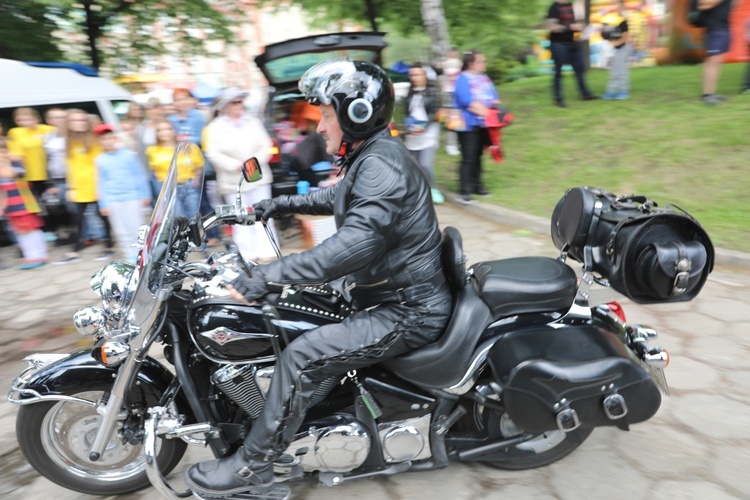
(275,152)
(617,309)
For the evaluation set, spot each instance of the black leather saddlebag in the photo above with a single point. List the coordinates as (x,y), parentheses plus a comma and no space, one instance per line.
(648,253)
(570,377)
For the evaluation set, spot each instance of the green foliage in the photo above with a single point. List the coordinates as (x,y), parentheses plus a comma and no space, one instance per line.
(663,142)
(26,32)
(124,31)
(501,29)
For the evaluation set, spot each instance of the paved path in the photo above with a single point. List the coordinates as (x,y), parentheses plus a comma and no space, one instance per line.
(697,446)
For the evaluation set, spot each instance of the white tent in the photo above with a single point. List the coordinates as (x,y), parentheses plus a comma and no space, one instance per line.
(24,85)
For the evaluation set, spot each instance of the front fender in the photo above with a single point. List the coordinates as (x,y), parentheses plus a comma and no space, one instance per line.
(79,372)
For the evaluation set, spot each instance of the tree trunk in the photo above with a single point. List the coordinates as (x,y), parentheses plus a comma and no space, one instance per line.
(93,32)
(372,14)
(433,17)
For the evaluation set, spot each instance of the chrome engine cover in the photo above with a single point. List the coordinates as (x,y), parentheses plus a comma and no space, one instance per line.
(341,446)
(406,440)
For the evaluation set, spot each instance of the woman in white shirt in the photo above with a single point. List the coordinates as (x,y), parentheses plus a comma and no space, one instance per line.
(230,139)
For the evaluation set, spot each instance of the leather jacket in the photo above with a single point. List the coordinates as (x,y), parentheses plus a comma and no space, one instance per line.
(431,101)
(387,247)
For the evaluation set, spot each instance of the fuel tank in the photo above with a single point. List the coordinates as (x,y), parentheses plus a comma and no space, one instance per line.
(230,332)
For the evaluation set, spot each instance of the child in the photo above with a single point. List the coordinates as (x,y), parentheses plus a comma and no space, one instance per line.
(21,210)
(123,189)
(616,31)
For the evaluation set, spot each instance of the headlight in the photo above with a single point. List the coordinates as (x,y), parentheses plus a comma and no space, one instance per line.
(89,320)
(111,282)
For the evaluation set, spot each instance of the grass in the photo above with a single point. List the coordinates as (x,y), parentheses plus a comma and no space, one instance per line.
(663,142)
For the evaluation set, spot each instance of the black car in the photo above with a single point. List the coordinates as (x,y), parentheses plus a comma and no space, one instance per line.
(283,64)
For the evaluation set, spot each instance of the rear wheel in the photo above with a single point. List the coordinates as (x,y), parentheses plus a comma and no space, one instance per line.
(56,437)
(541,450)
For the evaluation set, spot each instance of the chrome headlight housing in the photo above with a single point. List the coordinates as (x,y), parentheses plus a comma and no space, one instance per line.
(89,320)
(111,284)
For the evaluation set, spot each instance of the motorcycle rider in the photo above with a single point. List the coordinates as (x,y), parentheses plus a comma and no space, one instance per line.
(387,249)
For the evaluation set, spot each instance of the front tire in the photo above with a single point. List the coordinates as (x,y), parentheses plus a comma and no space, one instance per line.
(56,437)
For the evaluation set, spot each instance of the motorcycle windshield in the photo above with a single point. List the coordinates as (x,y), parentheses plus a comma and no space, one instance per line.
(179,197)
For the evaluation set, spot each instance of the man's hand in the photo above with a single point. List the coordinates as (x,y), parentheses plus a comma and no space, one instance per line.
(265,209)
(247,288)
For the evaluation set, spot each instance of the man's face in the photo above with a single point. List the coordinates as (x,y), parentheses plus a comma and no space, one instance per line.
(56,118)
(330,128)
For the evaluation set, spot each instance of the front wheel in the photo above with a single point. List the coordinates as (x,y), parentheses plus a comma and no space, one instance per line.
(541,450)
(56,437)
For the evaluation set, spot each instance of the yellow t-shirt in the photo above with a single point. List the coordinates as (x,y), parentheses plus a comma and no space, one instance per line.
(82,173)
(28,143)
(160,157)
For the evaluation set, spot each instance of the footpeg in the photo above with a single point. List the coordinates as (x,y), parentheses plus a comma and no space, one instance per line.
(335,478)
(277,492)
(288,468)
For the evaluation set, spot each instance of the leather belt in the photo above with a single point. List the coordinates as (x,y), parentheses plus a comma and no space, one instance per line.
(405,295)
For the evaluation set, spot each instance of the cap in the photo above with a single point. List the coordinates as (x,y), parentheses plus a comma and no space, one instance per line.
(181,91)
(103,128)
(228,95)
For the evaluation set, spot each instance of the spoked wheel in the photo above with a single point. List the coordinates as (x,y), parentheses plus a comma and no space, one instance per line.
(56,437)
(541,450)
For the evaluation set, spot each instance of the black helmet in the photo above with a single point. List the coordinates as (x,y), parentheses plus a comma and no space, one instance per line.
(360,92)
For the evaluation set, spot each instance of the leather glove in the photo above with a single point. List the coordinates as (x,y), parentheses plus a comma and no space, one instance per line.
(251,286)
(265,209)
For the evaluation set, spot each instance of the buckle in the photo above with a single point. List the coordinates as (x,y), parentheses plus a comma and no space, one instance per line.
(245,472)
(400,296)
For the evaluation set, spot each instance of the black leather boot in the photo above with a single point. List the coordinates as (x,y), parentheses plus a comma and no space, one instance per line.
(239,473)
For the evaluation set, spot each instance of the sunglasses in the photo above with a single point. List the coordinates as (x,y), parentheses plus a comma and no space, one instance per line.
(236,102)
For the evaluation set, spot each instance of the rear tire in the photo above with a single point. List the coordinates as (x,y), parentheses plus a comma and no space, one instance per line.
(56,437)
(544,449)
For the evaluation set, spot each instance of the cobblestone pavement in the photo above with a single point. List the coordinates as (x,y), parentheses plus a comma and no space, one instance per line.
(697,446)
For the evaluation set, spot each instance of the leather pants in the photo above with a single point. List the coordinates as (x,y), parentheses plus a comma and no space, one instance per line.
(364,338)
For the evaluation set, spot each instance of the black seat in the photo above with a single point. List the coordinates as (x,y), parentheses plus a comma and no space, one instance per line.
(496,289)
(524,285)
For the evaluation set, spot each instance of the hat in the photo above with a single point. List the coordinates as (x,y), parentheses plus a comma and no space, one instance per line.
(181,91)
(227,96)
(103,128)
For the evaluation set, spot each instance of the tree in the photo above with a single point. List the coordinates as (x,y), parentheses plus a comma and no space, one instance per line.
(502,29)
(130,30)
(26,32)
(433,18)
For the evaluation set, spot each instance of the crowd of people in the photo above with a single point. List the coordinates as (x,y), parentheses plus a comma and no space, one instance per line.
(72,179)
(72,162)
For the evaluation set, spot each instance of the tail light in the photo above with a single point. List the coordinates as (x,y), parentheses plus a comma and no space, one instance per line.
(616,308)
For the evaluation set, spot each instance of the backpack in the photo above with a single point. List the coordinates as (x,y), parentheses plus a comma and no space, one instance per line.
(697,17)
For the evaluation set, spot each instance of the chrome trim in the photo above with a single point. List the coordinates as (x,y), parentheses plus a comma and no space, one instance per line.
(36,397)
(468,380)
(40,360)
(223,335)
(417,427)
(89,320)
(149,453)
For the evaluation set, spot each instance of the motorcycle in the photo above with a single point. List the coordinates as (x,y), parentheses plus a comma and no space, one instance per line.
(524,372)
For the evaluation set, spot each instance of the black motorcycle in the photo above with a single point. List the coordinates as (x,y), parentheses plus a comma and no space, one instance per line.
(524,371)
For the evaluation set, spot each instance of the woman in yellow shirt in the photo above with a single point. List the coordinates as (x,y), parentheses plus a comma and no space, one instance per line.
(82,148)
(159,157)
(26,145)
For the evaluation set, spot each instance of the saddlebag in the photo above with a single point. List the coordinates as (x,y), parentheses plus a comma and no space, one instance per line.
(570,377)
(647,253)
